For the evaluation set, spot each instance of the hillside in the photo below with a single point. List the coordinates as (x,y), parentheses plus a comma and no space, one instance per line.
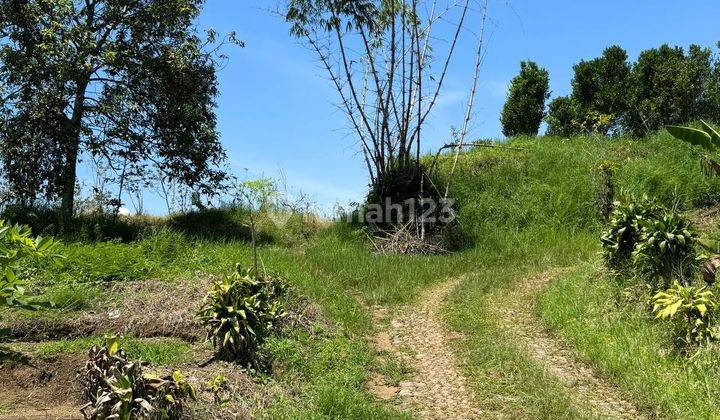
(365,331)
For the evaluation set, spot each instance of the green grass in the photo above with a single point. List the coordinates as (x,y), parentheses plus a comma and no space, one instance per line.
(632,350)
(520,212)
(159,351)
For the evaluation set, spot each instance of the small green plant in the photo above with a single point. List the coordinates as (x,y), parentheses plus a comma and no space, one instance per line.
(116,387)
(17,246)
(624,228)
(240,311)
(693,311)
(666,248)
(220,388)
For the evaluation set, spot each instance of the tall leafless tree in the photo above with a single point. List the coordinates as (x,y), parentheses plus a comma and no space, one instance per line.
(388,60)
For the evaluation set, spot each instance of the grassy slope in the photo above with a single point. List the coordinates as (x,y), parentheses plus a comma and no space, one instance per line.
(525,210)
(629,348)
(534,210)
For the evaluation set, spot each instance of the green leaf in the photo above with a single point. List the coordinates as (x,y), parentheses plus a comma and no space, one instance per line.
(692,136)
(713,134)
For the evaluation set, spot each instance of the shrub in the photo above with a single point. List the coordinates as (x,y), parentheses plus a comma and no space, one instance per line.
(525,106)
(693,311)
(600,88)
(17,246)
(239,312)
(624,229)
(666,248)
(116,387)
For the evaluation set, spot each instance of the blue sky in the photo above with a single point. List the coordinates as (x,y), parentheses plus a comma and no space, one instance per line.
(277,109)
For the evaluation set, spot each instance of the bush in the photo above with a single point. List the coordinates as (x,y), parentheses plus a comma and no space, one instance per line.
(666,248)
(625,227)
(525,106)
(17,246)
(693,311)
(600,88)
(239,312)
(116,387)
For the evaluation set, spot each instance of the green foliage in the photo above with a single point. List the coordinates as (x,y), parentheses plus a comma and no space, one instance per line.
(693,311)
(17,246)
(666,248)
(163,244)
(220,388)
(600,89)
(707,138)
(139,70)
(566,117)
(525,106)
(116,387)
(561,117)
(239,312)
(668,87)
(624,229)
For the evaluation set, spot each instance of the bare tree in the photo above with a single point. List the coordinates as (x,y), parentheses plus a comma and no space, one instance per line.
(388,61)
(461,136)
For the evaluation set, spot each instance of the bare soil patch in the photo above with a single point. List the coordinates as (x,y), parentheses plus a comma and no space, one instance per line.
(143,309)
(47,391)
(517,316)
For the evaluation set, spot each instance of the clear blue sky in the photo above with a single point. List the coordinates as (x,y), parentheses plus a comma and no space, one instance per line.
(277,108)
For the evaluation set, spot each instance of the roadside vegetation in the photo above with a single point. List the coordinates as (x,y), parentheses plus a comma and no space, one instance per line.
(598,240)
(521,211)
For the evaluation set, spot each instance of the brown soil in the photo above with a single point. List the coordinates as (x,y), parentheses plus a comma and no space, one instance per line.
(705,219)
(418,336)
(47,391)
(50,390)
(146,309)
(583,384)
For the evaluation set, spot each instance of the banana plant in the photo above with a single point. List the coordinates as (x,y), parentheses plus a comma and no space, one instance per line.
(707,138)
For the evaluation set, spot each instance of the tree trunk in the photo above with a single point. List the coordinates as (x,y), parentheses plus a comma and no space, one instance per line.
(72,152)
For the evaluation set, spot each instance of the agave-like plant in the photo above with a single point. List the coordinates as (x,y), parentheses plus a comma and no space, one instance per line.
(707,138)
(240,312)
(116,387)
(693,310)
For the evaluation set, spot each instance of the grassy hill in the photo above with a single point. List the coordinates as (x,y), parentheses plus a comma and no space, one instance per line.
(521,211)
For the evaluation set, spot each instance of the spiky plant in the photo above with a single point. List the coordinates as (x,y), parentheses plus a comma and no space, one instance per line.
(116,387)
(239,313)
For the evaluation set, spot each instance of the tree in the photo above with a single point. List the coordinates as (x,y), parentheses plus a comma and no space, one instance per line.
(669,87)
(712,96)
(562,114)
(129,81)
(388,66)
(601,85)
(525,106)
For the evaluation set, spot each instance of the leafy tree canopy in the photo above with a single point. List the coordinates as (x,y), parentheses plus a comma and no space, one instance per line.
(668,87)
(601,84)
(525,107)
(127,81)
